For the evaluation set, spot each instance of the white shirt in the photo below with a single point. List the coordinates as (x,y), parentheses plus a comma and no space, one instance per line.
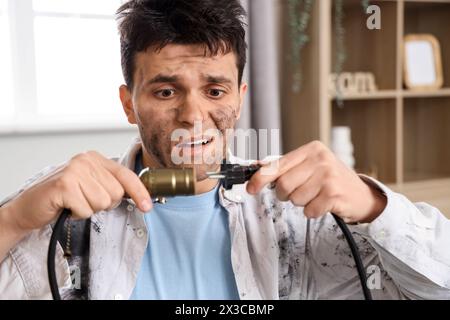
(276,252)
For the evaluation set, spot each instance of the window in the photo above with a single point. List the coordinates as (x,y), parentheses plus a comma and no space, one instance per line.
(90,7)
(6,88)
(67,71)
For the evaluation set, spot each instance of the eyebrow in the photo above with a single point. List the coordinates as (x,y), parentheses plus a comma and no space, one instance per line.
(217,79)
(160,78)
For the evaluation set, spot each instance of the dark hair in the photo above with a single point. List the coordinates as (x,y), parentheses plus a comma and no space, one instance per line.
(217,24)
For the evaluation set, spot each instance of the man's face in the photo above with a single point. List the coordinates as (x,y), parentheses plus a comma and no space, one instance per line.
(179,87)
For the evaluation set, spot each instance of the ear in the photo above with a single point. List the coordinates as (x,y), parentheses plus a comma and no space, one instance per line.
(242,93)
(127,103)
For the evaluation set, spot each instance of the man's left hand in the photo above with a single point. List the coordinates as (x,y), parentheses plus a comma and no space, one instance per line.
(311,176)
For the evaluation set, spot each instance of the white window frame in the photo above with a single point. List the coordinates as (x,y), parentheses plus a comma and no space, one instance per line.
(5,23)
(21,21)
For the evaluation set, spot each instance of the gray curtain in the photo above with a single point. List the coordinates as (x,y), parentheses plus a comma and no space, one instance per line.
(262,105)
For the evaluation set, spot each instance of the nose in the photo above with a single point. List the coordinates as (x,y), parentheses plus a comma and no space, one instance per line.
(191,111)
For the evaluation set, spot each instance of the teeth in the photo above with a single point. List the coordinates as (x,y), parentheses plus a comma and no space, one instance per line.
(195,143)
(199,142)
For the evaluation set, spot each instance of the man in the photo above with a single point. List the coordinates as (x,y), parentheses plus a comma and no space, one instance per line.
(183,62)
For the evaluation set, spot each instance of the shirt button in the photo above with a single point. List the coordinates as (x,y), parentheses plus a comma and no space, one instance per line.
(238,198)
(140,233)
(118,296)
(130,208)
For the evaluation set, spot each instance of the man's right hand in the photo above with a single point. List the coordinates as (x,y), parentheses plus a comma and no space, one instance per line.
(87,184)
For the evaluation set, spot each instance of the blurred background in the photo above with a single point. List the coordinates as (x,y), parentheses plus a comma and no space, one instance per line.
(334,70)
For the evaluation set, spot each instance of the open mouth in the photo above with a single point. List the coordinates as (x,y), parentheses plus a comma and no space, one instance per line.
(195,143)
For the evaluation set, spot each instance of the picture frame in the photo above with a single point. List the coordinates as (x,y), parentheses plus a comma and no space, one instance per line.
(422,62)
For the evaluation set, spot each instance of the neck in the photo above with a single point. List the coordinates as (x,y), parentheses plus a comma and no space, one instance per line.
(202,186)
(205,186)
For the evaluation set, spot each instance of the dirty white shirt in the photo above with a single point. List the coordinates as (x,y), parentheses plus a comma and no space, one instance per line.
(276,252)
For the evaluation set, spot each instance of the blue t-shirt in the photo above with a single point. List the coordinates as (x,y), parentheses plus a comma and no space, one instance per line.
(188,255)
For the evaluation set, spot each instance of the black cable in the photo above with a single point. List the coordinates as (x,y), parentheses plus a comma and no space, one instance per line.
(66,213)
(237,174)
(354,249)
(230,175)
(58,228)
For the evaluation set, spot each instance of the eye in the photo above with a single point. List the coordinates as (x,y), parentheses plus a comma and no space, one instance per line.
(165,93)
(216,93)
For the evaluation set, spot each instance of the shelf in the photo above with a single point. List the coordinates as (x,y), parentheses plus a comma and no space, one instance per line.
(435,192)
(431,17)
(425,3)
(426,138)
(392,94)
(376,50)
(445,92)
(381,94)
(441,183)
(399,136)
(419,177)
(371,123)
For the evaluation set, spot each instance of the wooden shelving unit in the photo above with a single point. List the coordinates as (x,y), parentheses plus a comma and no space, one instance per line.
(400,136)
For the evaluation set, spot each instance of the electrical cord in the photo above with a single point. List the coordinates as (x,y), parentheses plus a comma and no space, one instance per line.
(235,174)
(57,229)
(355,253)
(230,174)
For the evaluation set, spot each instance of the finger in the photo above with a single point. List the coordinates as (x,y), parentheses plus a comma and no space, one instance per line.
(319,206)
(286,184)
(130,182)
(77,203)
(111,185)
(94,193)
(304,194)
(269,173)
(272,171)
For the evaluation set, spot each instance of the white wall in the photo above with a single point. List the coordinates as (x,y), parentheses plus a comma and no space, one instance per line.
(22,155)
